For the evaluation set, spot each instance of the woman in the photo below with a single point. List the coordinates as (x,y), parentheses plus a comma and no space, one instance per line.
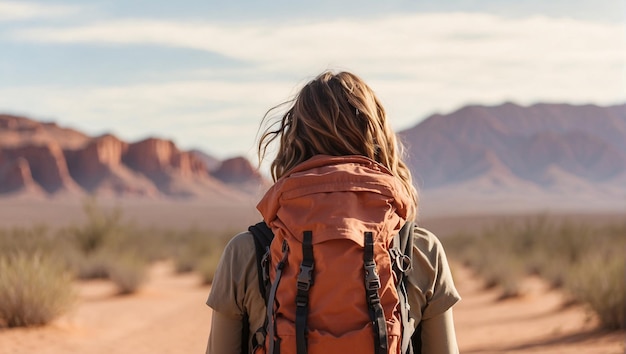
(335,125)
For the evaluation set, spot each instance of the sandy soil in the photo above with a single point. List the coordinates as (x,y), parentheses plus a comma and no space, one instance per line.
(169,316)
(537,322)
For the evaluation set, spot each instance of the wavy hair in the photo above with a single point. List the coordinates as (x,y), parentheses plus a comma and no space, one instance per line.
(337,115)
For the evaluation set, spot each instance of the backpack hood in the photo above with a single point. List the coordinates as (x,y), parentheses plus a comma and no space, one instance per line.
(345,195)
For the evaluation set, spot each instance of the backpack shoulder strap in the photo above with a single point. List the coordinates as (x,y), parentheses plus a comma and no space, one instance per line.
(402,262)
(263,236)
(406,238)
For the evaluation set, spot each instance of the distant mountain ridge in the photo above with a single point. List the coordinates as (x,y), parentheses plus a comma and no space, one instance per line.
(44,159)
(505,157)
(541,147)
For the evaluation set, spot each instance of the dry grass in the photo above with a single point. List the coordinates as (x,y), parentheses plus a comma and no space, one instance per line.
(196,249)
(128,271)
(38,265)
(601,284)
(34,289)
(586,261)
(100,228)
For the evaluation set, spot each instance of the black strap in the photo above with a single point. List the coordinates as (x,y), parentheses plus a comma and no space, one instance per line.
(416,339)
(305,280)
(372,284)
(263,236)
(245,334)
(406,238)
(270,303)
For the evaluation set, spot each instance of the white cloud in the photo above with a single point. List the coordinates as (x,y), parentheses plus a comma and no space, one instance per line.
(417,63)
(220,116)
(401,38)
(15,11)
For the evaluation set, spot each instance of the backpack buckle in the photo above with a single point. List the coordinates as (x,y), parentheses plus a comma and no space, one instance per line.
(372,281)
(305,278)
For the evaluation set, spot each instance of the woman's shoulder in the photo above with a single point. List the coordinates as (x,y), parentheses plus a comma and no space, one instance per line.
(426,242)
(237,255)
(242,242)
(244,237)
(236,266)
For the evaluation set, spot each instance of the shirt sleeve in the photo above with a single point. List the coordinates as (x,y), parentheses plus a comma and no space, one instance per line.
(230,283)
(224,338)
(226,300)
(431,288)
(438,334)
(235,292)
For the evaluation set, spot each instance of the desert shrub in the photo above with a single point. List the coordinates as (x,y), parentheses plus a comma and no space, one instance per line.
(107,246)
(588,262)
(128,271)
(101,226)
(103,244)
(35,239)
(505,272)
(125,268)
(600,282)
(34,289)
(194,247)
(553,270)
(91,266)
(499,269)
(150,243)
(463,248)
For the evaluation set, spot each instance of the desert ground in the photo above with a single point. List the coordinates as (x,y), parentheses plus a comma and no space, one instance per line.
(169,316)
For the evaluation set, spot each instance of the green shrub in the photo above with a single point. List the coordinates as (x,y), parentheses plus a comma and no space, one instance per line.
(34,289)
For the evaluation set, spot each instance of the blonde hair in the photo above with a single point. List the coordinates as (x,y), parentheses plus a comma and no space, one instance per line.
(337,115)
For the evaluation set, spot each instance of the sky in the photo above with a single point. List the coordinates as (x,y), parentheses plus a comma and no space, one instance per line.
(203,73)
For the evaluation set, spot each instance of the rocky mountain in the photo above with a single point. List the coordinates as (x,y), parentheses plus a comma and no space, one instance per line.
(239,173)
(44,159)
(211,162)
(505,157)
(536,149)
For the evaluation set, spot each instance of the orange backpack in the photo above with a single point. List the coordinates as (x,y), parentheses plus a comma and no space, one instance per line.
(332,275)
